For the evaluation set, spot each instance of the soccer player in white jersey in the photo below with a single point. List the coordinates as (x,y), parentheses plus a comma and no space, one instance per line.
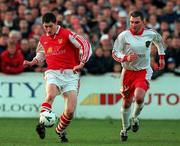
(132,49)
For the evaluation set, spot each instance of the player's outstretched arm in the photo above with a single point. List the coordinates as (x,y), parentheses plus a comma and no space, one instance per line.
(125,58)
(159,43)
(78,67)
(117,52)
(84,47)
(130,57)
(30,63)
(161,62)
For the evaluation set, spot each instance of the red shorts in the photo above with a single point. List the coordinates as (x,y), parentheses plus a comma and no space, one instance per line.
(132,80)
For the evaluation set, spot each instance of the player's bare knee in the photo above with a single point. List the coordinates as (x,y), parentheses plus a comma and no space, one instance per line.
(139,100)
(126,105)
(49,98)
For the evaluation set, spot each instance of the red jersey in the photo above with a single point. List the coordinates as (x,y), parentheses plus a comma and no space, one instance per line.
(12,64)
(64,50)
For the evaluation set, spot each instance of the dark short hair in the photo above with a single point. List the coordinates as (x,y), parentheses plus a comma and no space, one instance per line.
(137,14)
(49,17)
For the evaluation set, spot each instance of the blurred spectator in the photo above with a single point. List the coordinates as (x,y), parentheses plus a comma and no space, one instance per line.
(3,7)
(67,19)
(36,31)
(23,28)
(33,3)
(140,7)
(116,29)
(170,15)
(114,15)
(130,8)
(115,4)
(174,51)
(176,47)
(24,46)
(21,11)
(96,64)
(80,31)
(93,19)
(176,32)
(120,24)
(177,7)
(81,11)
(109,61)
(102,3)
(152,22)
(16,37)
(32,44)
(20,15)
(43,10)
(101,28)
(171,65)
(35,13)
(3,42)
(152,10)
(94,40)
(12,59)
(164,26)
(122,20)
(105,42)
(159,3)
(69,5)
(94,13)
(106,13)
(5,30)
(167,38)
(165,35)
(117,68)
(30,16)
(8,20)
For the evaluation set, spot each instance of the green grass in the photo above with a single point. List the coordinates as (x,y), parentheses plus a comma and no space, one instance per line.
(21,132)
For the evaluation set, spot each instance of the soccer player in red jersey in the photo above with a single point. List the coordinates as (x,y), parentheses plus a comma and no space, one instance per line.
(132,49)
(65,53)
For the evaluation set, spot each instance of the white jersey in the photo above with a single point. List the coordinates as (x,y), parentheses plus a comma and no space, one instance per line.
(127,43)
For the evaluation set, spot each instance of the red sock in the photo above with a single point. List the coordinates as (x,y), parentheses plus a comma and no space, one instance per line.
(64,122)
(45,106)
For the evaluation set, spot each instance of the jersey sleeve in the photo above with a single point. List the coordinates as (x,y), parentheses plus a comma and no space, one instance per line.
(40,56)
(83,45)
(119,44)
(158,42)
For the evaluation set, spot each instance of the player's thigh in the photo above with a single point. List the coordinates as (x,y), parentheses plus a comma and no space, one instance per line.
(139,94)
(70,98)
(51,90)
(127,101)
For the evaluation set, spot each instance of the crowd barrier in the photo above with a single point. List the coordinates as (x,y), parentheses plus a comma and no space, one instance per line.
(21,96)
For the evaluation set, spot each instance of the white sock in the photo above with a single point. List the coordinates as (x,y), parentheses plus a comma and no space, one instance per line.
(125,117)
(137,109)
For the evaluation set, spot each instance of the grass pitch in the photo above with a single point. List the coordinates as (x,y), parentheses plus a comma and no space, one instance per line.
(83,132)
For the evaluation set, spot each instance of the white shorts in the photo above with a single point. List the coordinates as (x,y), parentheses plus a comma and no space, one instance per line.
(65,80)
